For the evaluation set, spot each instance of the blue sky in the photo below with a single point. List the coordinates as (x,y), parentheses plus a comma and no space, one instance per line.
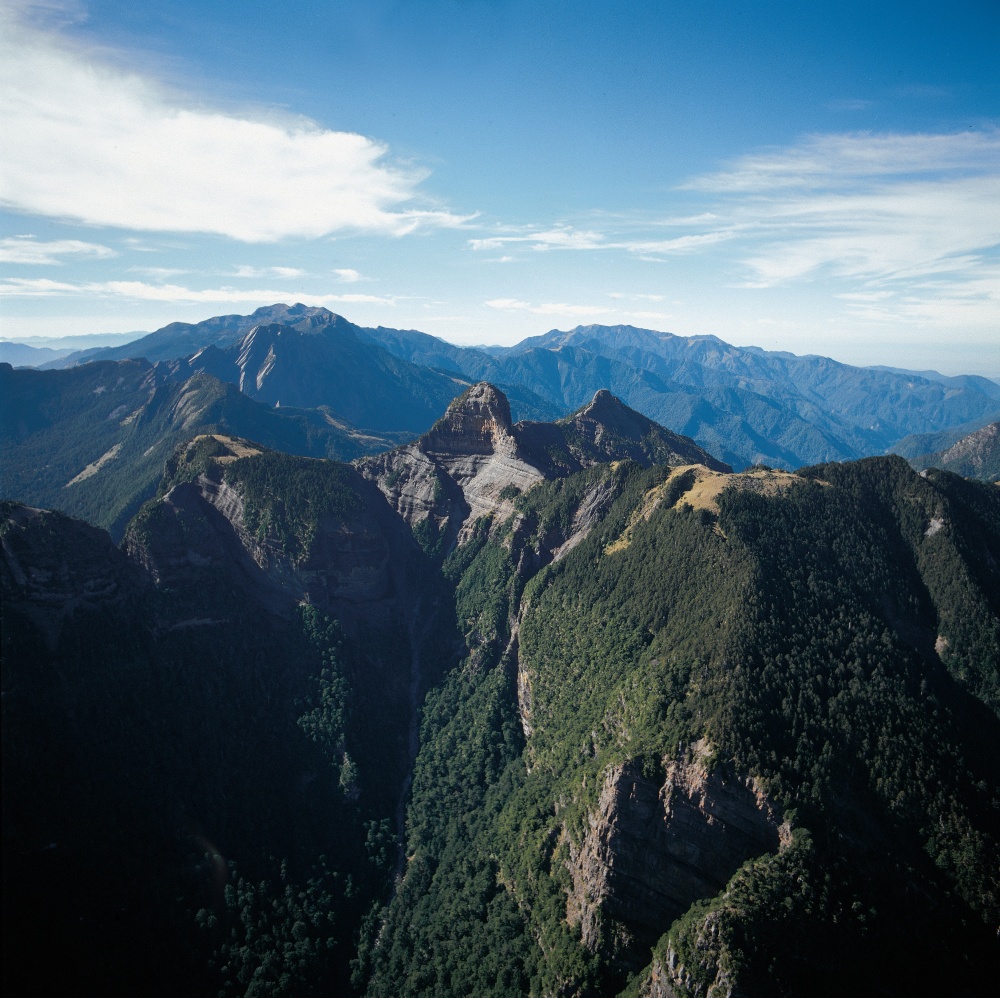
(813,178)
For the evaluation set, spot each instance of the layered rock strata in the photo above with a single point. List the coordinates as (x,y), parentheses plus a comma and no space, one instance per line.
(650,850)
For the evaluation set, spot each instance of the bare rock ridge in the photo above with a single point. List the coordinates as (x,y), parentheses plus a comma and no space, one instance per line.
(478,422)
(474,461)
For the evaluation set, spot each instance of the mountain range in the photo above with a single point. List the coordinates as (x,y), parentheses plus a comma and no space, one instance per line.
(745,405)
(92,440)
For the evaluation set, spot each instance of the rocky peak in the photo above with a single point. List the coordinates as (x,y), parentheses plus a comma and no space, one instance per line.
(606,429)
(477,422)
(603,397)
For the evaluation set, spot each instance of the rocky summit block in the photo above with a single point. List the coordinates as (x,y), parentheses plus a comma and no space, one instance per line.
(474,461)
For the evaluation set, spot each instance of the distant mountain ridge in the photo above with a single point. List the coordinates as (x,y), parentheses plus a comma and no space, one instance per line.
(92,440)
(745,405)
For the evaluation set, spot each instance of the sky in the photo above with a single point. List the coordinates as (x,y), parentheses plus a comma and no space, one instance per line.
(817,178)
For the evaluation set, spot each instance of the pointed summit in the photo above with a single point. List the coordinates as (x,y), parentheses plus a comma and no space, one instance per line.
(477,422)
(485,401)
(606,429)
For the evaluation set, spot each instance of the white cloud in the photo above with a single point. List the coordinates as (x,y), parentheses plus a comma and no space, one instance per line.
(25,249)
(162,273)
(561,237)
(834,160)
(580,311)
(568,238)
(348,276)
(255,272)
(967,301)
(907,224)
(515,305)
(88,142)
(141,291)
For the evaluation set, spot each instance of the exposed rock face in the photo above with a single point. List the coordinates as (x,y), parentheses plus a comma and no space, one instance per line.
(460,469)
(477,423)
(974,456)
(669,978)
(651,851)
(474,460)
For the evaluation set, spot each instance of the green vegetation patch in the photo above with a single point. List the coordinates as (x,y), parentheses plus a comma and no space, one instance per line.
(286,497)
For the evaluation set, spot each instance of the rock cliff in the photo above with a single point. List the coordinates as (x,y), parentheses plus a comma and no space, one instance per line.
(650,850)
(468,465)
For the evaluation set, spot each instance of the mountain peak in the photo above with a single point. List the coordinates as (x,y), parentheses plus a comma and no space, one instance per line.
(478,422)
(484,399)
(608,429)
(604,401)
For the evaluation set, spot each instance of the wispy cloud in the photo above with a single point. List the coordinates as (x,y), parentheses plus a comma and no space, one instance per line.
(256,272)
(142,291)
(161,273)
(27,250)
(872,209)
(577,311)
(88,142)
(551,308)
(569,238)
(834,160)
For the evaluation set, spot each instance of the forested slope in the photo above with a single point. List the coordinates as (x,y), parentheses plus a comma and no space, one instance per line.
(744,741)
(202,769)
(653,730)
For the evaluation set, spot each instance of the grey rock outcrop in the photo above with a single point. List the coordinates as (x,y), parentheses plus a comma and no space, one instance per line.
(474,461)
(467,466)
(650,850)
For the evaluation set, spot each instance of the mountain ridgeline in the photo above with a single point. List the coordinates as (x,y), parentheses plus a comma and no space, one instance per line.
(92,440)
(509,705)
(475,461)
(976,455)
(744,405)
